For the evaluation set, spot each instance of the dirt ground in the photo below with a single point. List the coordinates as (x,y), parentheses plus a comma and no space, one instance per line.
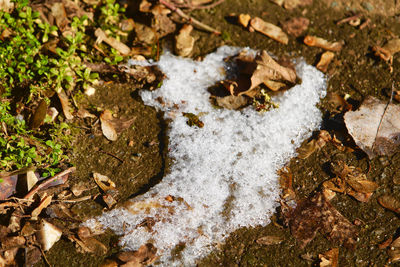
(355,71)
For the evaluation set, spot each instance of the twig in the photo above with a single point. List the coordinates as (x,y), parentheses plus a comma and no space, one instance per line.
(80,199)
(44,257)
(48,181)
(348,19)
(383,115)
(189,18)
(112,155)
(365,24)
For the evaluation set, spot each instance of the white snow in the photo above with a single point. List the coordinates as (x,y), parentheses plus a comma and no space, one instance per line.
(230,162)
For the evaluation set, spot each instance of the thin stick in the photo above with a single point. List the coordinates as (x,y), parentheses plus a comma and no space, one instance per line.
(73,200)
(112,155)
(48,181)
(189,18)
(44,257)
(383,115)
(348,19)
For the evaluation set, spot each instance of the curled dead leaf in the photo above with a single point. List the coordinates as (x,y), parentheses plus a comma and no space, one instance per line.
(39,115)
(103,182)
(338,102)
(44,203)
(107,127)
(309,148)
(329,258)
(322,43)
(286,183)
(232,102)
(326,59)
(388,50)
(389,203)
(269,29)
(184,42)
(65,104)
(144,256)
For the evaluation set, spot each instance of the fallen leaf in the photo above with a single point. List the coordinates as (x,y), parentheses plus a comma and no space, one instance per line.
(296,26)
(269,29)
(394,251)
(109,263)
(317,214)
(78,188)
(42,205)
(309,148)
(144,256)
(338,102)
(65,104)
(60,15)
(375,127)
(109,200)
(48,235)
(326,59)
(8,186)
(286,183)
(388,50)
(90,245)
(269,240)
(232,102)
(103,182)
(39,115)
(127,25)
(161,23)
(390,203)
(184,42)
(107,127)
(122,48)
(330,258)
(32,256)
(244,20)
(193,120)
(322,43)
(269,70)
(145,34)
(11,242)
(6,6)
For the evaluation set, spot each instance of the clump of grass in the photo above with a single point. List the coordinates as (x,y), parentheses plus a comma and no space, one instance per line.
(31,71)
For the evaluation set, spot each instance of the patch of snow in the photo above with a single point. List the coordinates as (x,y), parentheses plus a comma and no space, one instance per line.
(223,175)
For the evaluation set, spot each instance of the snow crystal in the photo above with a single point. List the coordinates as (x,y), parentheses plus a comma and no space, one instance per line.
(223,175)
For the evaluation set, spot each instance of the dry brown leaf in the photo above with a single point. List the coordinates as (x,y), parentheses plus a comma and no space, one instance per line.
(65,104)
(244,20)
(389,203)
(78,188)
(269,70)
(44,203)
(269,240)
(91,245)
(184,42)
(48,235)
(122,48)
(309,148)
(144,256)
(388,50)
(103,182)
(317,214)
(296,26)
(375,127)
(286,183)
(39,115)
(394,250)
(232,102)
(145,6)
(330,258)
(326,59)
(109,263)
(362,186)
(107,127)
(127,25)
(11,242)
(109,200)
(6,6)
(8,186)
(338,102)
(269,29)
(161,23)
(322,43)
(60,15)
(145,34)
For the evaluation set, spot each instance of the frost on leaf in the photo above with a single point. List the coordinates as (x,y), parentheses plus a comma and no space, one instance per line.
(317,214)
(375,127)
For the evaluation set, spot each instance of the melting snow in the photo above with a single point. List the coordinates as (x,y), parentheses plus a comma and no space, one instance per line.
(224,175)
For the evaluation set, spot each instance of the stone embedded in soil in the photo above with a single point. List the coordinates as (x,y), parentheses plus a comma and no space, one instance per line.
(223,175)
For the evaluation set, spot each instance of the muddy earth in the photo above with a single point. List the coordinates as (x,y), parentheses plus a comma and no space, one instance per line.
(137,160)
